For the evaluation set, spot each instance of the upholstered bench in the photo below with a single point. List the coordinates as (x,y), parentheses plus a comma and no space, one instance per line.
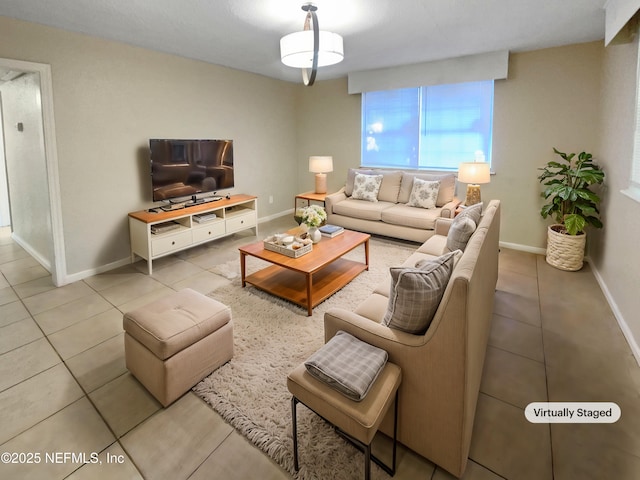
(356,418)
(173,343)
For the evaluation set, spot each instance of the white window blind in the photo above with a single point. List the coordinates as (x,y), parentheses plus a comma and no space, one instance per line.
(434,127)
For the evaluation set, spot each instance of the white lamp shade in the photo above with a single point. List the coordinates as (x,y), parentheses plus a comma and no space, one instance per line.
(320,164)
(296,49)
(474,172)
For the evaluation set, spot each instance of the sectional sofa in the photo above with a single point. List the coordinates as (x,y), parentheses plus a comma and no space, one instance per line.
(441,367)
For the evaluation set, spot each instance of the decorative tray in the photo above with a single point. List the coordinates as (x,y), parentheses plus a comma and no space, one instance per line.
(293,250)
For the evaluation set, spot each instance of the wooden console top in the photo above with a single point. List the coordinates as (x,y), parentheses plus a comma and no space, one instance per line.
(150,217)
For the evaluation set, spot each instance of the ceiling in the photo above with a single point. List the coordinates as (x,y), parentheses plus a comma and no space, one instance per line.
(245,34)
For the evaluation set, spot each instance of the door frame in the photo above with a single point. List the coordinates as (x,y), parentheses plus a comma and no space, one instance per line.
(58,264)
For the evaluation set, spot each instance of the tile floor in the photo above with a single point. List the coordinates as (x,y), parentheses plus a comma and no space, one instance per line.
(64,388)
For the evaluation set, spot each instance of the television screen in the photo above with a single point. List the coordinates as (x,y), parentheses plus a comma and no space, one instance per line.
(183,168)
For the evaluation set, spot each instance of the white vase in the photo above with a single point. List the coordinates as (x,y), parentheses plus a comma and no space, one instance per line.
(314,234)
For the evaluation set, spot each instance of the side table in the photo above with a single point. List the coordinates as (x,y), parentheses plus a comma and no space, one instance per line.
(309,197)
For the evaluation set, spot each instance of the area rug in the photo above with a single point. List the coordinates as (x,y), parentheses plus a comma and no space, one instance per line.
(271,337)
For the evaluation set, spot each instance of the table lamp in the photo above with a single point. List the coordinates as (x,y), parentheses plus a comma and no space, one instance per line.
(473,174)
(320,166)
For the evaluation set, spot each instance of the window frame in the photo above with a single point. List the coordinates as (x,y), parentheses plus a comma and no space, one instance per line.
(633,188)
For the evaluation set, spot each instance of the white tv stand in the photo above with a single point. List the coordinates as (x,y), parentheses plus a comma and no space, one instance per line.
(178,230)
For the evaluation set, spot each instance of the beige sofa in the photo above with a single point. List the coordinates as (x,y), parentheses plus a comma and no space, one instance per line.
(390,215)
(441,369)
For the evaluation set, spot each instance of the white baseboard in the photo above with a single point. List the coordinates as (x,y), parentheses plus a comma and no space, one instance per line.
(276,215)
(523,248)
(29,249)
(624,326)
(95,271)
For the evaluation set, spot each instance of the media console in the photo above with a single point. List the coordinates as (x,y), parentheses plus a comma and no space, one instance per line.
(155,235)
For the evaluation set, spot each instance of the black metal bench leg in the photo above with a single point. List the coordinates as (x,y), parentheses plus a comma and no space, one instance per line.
(294,402)
(367,462)
(395,436)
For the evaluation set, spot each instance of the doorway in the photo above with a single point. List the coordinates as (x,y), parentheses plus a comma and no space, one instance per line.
(42,236)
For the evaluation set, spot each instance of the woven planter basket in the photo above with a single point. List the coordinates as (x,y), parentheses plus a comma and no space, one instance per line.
(565,252)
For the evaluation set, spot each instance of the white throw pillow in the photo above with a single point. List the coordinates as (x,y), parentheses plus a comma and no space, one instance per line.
(424,193)
(366,187)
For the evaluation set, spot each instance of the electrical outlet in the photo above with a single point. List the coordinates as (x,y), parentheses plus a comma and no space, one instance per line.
(270,198)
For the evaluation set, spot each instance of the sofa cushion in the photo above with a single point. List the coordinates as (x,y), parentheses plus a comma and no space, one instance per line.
(435,245)
(401,214)
(362,209)
(390,187)
(347,365)
(416,294)
(447,186)
(366,187)
(460,232)
(351,176)
(424,193)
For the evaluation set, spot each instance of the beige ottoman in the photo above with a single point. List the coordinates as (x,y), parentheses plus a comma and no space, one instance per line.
(173,343)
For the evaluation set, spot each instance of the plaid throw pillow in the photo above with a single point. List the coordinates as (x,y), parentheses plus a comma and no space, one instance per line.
(474,212)
(460,232)
(347,365)
(416,294)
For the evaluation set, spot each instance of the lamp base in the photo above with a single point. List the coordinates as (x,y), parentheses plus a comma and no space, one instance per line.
(321,183)
(473,194)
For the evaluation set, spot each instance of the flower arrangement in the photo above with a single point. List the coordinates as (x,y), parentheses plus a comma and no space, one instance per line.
(312,216)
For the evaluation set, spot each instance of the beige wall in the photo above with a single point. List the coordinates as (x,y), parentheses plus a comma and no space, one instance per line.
(328,124)
(110,98)
(614,249)
(26,168)
(550,99)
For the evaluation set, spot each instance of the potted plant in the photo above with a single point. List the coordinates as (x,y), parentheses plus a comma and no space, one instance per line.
(572,204)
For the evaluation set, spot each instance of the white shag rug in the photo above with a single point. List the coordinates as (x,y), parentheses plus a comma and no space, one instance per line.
(271,337)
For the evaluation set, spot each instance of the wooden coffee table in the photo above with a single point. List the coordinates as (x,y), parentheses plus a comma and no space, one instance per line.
(312,278)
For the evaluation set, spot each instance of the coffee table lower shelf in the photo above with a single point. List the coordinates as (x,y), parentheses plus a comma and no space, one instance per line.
(306,290)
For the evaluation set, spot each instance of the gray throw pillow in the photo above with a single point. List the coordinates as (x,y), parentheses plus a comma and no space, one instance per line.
(474,212)
(460,232)
(416,294)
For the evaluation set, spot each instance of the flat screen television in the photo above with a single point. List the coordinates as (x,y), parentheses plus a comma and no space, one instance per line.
(188,168)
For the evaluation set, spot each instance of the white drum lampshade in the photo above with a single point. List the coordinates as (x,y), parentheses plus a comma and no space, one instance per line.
(473,174)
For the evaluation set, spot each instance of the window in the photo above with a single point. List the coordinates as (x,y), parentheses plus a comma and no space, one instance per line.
(435,127)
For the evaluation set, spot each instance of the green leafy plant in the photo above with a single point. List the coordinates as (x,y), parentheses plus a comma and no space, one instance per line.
(570,202)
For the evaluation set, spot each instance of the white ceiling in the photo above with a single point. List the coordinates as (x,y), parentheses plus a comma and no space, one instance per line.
(245,34)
